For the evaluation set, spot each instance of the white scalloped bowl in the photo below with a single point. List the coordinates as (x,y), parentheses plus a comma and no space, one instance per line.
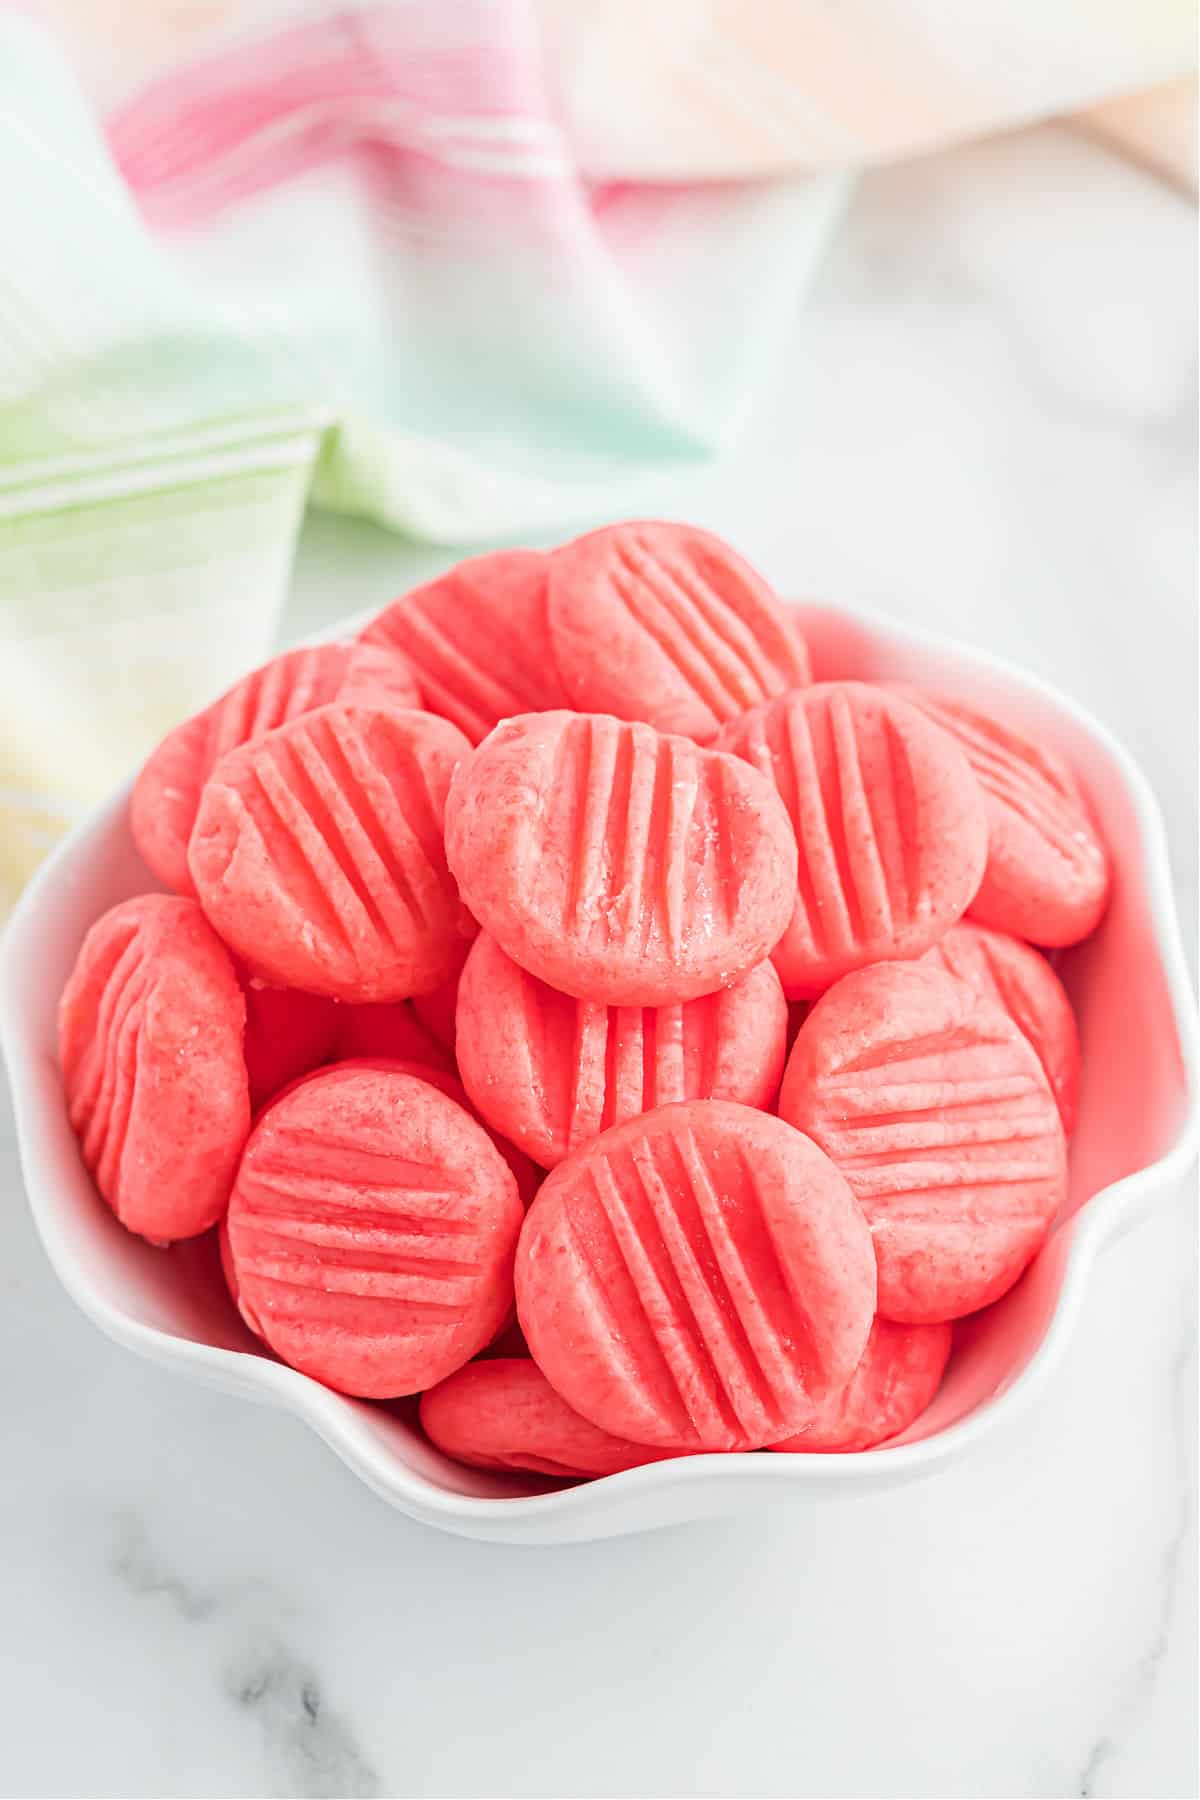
(1136,1136)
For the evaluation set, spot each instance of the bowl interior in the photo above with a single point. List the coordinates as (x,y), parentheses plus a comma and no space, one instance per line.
(1134,1102)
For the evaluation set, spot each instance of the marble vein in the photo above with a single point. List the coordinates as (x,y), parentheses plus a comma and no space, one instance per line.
(309,1748)
(136,1568)
(1145,1671)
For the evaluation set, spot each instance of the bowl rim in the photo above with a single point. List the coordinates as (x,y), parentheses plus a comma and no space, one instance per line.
(335,1417)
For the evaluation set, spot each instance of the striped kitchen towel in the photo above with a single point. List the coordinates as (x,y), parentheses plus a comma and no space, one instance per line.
(478,269)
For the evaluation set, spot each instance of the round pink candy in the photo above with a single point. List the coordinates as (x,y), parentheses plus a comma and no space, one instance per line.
(526,1175)
(1047,875)
(900,1372)
(699,1278)
(618,864)
(889,823)
(1013,975)
(150,1030)
(666,623)
(317,853)
(503,1414)
(938,1113)
(162,808)
(552,1072)
(477,640)
(372,1227)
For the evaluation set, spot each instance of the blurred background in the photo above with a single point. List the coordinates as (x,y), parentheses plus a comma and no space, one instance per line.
(299,303)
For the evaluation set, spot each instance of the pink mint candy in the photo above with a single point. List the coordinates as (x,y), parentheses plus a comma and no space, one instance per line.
(889,824)
(372,1228)
(150,1030)
(900,1372)
(616,863)
(317,853)
(503,1414)
(525,1173)
(162,808)
(477,640)
(938,1113)
(1047,875)
(667,624)
(699,1278)
(1016,977)
(552,1072)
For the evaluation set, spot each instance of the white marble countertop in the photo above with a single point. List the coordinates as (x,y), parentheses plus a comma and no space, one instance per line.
(985,423)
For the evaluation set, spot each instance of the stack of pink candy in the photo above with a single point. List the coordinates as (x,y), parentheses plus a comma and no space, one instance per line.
(524,880)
